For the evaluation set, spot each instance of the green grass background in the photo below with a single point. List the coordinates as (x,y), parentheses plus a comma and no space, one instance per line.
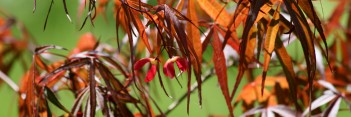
(60,31)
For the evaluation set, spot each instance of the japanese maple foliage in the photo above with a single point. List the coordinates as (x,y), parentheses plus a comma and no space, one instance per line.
(195,39)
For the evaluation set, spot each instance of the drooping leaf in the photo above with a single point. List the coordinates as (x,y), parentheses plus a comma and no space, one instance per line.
(194,36)
(78,101)
(213,9)
(141,29)
(207,39)
(51,96)
(247,46)
(47,16)
(92,85)
(319,102)
(327,85)
(333,108)
(160,79)
(240,15)
(288,69)
(264,9)
(304,33)
(271,36)
(66,10)
(176,30)
(308,8)
(261,29)
(221,70)
(75,63)
(49,114)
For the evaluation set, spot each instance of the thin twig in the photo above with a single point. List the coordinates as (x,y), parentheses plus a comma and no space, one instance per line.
(192,90)
(8,81)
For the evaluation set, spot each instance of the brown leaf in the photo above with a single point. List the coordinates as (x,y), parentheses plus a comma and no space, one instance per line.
(92,85)
(307,7)
(194,38)
(193,32)
(248,44)
(306,38)
(288,69)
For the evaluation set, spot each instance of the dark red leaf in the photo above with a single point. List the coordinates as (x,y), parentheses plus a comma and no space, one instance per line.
(221,70)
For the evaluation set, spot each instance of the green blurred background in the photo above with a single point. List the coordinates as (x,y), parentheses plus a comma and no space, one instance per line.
(60,31)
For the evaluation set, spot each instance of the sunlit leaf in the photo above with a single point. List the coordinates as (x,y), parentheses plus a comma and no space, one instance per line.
(213,9)
(327,85)
(271,36)
(319,102)
(333,108)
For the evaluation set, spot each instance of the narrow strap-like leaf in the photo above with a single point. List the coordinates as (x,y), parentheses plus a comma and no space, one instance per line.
(221,70)
(51,96)
(47,16)
(288,69)
(247,40)
(213,8)
(92,85)
(271,36)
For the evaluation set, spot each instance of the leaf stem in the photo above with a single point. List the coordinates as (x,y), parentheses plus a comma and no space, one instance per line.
(192,90)
(8,81)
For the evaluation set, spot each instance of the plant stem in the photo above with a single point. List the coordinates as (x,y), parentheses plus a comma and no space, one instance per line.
(192,90)
(8,81)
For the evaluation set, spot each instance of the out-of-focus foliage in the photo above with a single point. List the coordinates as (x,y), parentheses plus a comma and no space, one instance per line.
(203,38)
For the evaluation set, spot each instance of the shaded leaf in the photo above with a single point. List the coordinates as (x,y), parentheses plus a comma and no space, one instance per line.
(308,8)
(51,96)
(92,85)
(78,101)
(72,64)
(247,45)
(288,69)
(304,33)
(194,36)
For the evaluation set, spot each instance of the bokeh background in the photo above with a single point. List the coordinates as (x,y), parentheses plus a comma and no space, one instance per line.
(60,31)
